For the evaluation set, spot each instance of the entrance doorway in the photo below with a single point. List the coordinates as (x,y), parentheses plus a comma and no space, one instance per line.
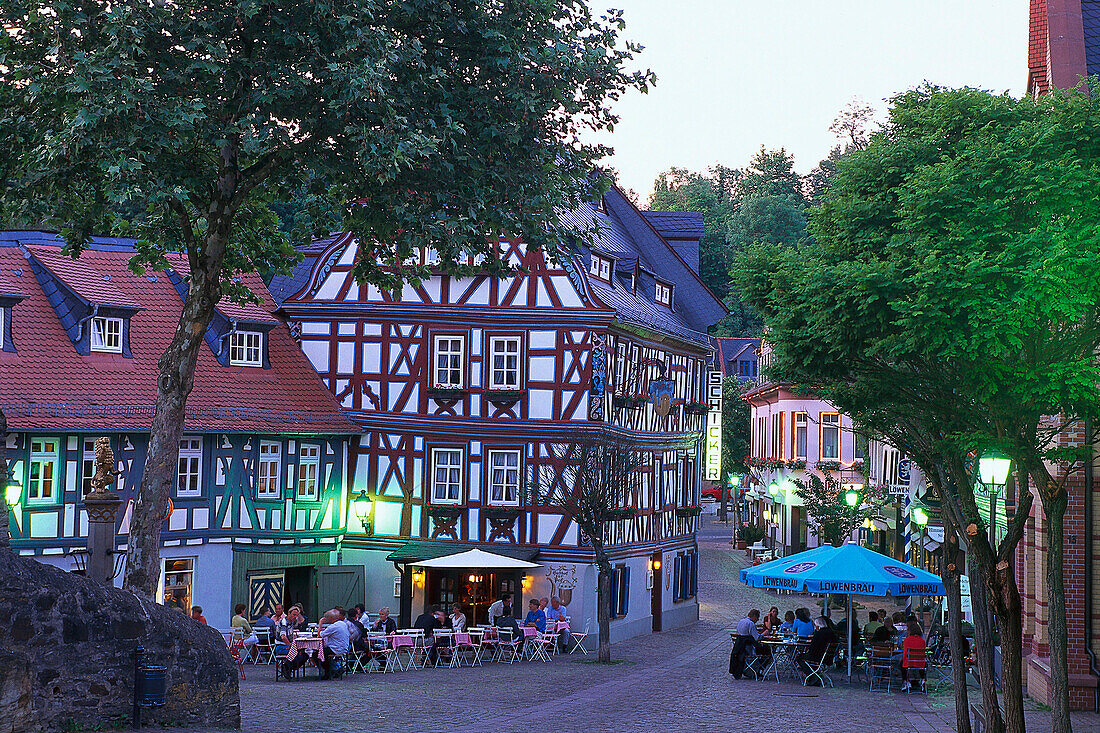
(299,589)
(655,602)
(474,589)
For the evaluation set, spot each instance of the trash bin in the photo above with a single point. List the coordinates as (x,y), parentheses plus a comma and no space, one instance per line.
(152,687)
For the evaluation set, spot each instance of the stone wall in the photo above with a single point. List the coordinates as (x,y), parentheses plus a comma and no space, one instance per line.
(66,655)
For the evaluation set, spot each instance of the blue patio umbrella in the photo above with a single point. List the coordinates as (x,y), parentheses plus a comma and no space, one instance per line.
(848,569)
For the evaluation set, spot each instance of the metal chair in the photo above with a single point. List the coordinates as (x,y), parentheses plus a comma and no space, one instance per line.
(915,659)
(819,667)
(882,668)
(460,644)
(577,638)
(265,647)
(510,647)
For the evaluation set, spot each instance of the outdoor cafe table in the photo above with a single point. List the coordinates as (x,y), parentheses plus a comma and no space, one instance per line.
(305,645)
(784,652)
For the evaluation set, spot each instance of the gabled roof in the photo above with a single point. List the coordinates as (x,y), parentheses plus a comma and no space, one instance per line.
(676,224)
(46,385)
(732,349)
(82,279)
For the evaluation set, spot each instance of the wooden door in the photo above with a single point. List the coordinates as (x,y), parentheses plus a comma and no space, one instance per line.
(265,589)
(340,585)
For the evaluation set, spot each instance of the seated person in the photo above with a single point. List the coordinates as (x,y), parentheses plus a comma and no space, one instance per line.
(336,640)
(872,625)
(458,619)
(246,632)
(507,622)
(787,627)
(555,614)
(913,640)
(428,622)
(535,616)
(748,643)
(196,614)
(771,622)
(803,626)
(819,650)
(292,623)
(356,629)
(387,626)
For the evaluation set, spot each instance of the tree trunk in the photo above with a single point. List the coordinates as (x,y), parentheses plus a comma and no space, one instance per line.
(603,608)
(983,644)
(1054,507)
(1010,623)
(177,377)
(5,534)
(951,571)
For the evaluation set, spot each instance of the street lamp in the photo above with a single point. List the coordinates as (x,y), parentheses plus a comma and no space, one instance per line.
(362,507)
(851,497)
(773,488)
(13,493)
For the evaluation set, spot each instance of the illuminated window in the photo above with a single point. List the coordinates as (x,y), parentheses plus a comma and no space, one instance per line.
(42,473)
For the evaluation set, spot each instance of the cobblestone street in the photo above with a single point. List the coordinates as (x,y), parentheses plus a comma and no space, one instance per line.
(673,680)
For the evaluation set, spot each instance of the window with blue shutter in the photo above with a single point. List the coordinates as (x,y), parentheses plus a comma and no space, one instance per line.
(694,573)
(676,579)
(625,604)
(614,592)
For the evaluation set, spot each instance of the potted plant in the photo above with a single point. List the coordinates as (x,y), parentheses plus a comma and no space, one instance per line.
(748,534)
(502,513)
(447,511)
(623,512)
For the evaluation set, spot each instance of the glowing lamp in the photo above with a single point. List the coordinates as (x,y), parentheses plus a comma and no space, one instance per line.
(656,564)
(919,516)
(13,493)
(773,488)
(851,497)
(993,468)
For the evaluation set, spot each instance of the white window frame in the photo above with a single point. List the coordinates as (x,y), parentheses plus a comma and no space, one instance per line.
(246,348)
(454,466)
(269,467)
(829,417)
(309,470)
(517,353)
(45,489)
(662,294)
(87,464)
(457,357)
(106,335)
(801,423)
(189,467)
(600,267)
(503,484)
(185,571)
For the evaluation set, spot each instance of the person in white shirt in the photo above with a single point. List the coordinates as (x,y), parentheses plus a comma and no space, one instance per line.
(458,619)
(496,611)
(336,639)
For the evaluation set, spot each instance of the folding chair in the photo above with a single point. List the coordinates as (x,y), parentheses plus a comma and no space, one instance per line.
(490,643)
(915,659)
(460,644)
(577,638)
(819,667)
(235,652)
(393,653)
(510,647)
(882,668)
(530,633)
(265,647)
(542,645)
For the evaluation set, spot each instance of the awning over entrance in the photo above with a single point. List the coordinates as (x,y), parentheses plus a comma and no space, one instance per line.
(416,552)
(475,559)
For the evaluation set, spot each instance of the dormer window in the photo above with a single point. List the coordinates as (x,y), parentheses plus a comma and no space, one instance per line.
(600,267)
(106,335)
(663,294)
(246,348)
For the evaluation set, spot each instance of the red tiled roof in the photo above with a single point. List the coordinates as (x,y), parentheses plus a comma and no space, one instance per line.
(83,278)
(229,309)
(48,385)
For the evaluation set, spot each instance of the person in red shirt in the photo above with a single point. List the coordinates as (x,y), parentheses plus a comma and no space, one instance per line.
(196,613)
(914,642)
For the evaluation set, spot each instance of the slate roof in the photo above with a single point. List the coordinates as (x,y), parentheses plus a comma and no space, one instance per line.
(629,237)
(730,350)
(47,385)
(676,224)
(1090,16)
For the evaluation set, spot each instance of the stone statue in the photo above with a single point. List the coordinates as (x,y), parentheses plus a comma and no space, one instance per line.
(105,472)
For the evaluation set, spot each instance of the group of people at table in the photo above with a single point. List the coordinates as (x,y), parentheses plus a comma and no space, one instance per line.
(341,631)
(817,641)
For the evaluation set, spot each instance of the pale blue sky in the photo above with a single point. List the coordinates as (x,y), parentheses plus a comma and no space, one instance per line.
(735,74)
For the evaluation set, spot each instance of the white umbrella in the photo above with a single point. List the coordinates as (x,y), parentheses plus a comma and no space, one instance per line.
(475,559)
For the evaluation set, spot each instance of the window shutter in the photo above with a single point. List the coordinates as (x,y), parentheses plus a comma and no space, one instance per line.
(614,592)
(626,591)
(694,573)
(676,579)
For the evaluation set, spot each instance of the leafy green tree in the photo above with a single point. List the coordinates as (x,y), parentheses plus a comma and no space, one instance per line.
(951,302)
(828,513)
(736,421)
(420,122)
(678,189)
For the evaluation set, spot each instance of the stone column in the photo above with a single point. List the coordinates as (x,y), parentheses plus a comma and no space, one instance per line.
(102,507)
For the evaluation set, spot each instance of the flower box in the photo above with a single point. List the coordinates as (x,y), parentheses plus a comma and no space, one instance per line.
(446,393)
(826,466)
(445,511)
(696,408)
(501,513)
(688,511)
(629,401)
(625,512)
(796,464)
(504,395)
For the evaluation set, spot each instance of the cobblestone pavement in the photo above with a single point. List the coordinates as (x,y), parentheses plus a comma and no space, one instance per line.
(674,680)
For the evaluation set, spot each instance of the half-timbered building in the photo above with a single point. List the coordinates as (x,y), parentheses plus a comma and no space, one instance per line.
(260,502)
(468,388)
